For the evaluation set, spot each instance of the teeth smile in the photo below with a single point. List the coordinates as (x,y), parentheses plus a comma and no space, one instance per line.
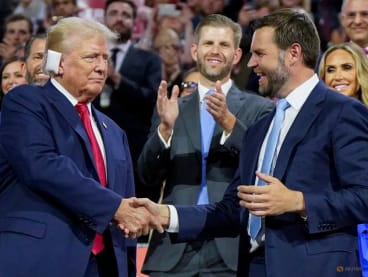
(340,87)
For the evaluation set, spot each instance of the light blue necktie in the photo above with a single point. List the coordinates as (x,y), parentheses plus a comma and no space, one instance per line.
(207,127)
(255,222)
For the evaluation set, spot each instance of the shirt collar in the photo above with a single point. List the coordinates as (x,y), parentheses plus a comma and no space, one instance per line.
(68,95)
(299,95)
(122,46)
(202,90)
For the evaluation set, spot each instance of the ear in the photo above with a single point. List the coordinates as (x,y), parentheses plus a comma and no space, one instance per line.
(194,51)
(237,55)
(61,67)
(294,53)
(23,67)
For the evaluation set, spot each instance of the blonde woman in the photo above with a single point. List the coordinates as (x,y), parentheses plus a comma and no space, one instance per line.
(344,67)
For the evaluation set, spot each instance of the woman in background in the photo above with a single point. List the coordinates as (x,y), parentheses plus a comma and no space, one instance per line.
(12,74)
(344,68)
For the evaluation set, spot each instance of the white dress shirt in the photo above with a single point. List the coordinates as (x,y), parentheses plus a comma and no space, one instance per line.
(296,99)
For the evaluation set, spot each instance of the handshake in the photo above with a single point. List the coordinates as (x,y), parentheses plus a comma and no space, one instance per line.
(137,216)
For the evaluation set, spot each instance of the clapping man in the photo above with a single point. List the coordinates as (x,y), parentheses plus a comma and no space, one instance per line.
(198,158)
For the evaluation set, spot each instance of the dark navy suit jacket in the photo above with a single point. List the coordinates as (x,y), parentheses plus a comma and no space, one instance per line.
(51,204)
(324,155)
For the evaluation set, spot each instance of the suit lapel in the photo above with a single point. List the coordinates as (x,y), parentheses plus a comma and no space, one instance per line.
(234,101)
(66,110)
(305,118)
(129,55)
(191,120)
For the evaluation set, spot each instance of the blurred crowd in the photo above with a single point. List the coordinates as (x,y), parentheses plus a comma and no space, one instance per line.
(162,26)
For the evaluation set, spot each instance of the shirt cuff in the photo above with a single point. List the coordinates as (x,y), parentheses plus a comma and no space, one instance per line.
(168,143)
(224,137)
(174,220)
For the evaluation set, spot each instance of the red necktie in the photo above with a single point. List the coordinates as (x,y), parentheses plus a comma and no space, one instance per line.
(82,109)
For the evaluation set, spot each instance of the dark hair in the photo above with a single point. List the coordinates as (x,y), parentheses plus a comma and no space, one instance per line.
(9,61)
(19,17)
(28,46)
(5,64)
(290,27)
(129,2)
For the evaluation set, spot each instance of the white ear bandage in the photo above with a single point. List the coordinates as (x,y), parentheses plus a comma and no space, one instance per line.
(52,61)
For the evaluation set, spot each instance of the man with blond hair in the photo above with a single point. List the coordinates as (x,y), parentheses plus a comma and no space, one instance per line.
(66,183)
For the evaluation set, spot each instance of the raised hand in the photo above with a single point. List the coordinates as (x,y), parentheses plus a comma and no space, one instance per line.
(167,109)
(217,107)
(7,50)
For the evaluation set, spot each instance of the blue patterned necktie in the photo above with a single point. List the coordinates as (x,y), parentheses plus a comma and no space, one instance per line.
(207,127)
(255,222)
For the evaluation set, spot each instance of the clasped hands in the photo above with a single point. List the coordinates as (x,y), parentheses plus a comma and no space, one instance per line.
(137,216)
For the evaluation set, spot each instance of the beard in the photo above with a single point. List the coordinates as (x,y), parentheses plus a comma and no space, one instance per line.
(124,32)
(276,78)
(35,78)
(213,76)
(125,36)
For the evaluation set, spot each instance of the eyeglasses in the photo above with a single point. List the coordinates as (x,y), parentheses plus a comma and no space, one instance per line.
(191,85)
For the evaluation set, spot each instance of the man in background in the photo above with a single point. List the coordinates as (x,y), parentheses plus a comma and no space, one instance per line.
(176,152)
(130,95)
(34,55)
(354,20)
(18,29)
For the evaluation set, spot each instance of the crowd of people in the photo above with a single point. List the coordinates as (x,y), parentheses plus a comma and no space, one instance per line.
(231,115)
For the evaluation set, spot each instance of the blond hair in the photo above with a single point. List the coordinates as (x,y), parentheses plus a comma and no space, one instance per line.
(361,64)
(61,37)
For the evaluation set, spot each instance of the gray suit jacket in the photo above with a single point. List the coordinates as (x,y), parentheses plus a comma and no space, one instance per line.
(180,166)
